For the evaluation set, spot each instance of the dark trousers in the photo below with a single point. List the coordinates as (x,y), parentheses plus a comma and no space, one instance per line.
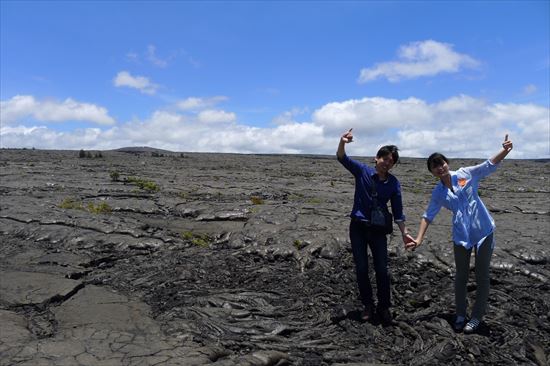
(362,236)
(462,262)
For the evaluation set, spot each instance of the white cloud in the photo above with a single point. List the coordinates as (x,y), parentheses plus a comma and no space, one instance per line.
(197,103)
(216,116)
(153,58)
(132,57)
(288,117)
(468,127)
(373,114)
(124,78)
(21,107)
(150,55)
(417,59)
(530,89)
(43,137)
(460,126)
(533,120)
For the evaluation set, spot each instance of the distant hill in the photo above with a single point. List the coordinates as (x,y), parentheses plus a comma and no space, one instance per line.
(143,149)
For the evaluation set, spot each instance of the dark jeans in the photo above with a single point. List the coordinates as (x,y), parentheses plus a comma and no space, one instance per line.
(462,262)
(361,236)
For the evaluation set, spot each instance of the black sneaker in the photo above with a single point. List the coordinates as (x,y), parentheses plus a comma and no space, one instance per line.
(460,323)
(385,316)
(367,314)
(472,326)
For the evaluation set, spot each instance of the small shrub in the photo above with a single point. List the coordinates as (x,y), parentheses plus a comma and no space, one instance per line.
(144,184)
(81,153)
(149,186)
(201,240)
(295,197)
(101,208)
(70,204)
(256,200)
(114,175)
(187,235)
(297,244)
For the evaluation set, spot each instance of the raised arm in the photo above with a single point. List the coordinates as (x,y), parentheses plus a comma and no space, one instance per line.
(345,139)
(507,146)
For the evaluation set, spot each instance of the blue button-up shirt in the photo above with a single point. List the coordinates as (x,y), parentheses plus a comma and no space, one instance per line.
(387,190)
(472,222)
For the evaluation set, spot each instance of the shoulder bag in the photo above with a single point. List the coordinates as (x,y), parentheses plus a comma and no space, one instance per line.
(381,220)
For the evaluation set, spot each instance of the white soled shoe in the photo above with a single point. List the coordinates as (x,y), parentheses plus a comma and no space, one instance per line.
(472,325)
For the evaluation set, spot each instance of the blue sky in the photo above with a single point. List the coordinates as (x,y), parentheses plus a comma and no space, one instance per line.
(277,77)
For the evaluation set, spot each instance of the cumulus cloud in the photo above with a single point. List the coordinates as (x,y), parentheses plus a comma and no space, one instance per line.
(289,116)
(150,55)
(153,58)
(186,134)
(143,84)
(373,114)
(197,103)
(461,126)
(21,107)
(530,89)
(216,116)
(468,127)
(417,59)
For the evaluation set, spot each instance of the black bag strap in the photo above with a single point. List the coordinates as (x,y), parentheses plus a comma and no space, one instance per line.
(374,194)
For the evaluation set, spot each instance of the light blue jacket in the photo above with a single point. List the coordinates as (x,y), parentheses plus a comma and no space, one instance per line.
(472,222)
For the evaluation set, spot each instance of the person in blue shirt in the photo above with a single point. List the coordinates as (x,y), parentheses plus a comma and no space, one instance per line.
(473,227)
(362,234)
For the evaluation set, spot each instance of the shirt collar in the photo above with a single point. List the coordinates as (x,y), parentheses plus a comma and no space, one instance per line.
(374,176)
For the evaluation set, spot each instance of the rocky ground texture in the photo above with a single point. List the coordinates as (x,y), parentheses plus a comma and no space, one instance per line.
(226,259)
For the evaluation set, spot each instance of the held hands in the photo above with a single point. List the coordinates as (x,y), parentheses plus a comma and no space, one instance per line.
(507,144)
(347,137)
(410,242)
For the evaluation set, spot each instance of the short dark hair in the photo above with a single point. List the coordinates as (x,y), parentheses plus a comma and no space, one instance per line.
(387,150)
(436,159)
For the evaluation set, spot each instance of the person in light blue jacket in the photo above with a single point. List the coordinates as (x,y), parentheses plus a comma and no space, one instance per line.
(473,227)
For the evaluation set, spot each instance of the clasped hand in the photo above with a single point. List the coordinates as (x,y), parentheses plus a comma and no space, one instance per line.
(410,242)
